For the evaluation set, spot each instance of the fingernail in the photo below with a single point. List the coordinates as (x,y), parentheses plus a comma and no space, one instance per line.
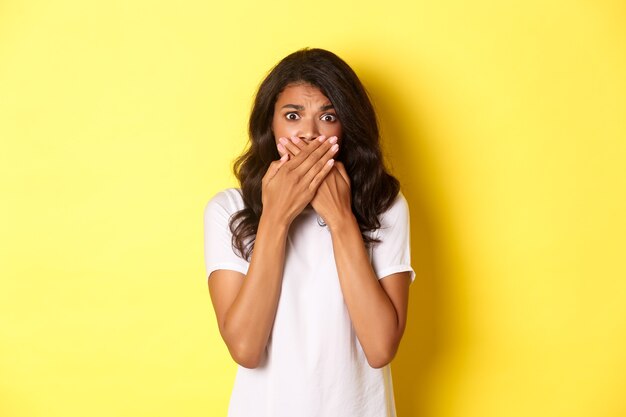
(334,147)
(295,139)
(281,148)
(333,139)
(283,141)
(322,138)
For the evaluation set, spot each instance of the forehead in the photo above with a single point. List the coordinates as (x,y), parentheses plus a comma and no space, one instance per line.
(300,93)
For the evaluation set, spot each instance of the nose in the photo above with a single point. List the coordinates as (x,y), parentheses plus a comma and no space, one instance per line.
(308,131)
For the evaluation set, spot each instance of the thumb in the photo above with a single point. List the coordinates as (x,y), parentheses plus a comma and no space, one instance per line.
(275,166)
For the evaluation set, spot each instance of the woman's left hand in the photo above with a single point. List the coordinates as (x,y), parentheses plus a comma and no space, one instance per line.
(332,201)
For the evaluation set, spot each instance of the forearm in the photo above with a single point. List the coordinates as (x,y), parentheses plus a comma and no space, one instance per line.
(372,313)
(250,319)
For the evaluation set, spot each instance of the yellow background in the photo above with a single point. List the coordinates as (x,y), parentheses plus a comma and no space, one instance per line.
(504,121)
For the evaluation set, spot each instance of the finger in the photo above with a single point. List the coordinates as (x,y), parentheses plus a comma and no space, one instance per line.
(323,153)
(298,142)
(342,170)
(319,164)
(281,149)
(292,147)
(319,176)
(281,146)
(274,167)
(302,145)
(304,153)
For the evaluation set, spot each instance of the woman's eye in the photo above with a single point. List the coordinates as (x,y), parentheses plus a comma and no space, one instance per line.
(292,116)
(329,117)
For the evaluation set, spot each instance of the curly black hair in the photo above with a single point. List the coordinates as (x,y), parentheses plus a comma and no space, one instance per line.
(373,187)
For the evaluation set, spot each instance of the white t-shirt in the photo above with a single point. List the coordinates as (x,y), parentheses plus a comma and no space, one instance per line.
(314,364)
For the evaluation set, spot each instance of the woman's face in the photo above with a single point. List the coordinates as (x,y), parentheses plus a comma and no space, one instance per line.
(302,110)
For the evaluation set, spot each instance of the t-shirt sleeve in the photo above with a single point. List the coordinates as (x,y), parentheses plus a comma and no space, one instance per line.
(393,253)
(218,250)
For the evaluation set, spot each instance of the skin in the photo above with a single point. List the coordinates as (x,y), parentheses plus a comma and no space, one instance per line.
(246,308)
(302,111)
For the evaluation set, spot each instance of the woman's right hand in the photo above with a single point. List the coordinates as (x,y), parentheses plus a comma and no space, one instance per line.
(290,183)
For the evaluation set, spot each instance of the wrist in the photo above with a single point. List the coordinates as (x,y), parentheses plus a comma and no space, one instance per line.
(341,223)
(274,221)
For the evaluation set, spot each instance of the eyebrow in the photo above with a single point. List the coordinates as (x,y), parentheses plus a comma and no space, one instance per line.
(301,108)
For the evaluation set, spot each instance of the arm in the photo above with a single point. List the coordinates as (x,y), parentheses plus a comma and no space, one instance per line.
(246,308)
(377,308)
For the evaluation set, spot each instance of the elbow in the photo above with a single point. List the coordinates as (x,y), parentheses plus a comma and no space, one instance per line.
(245,357)
(242,351)
(246,362)
(378,363)
(381,358)
(382,354)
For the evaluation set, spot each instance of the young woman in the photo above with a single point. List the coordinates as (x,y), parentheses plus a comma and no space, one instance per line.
(308,263)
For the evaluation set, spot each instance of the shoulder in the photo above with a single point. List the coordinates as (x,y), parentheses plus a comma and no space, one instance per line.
(229,200)
(395,220)
(398,210)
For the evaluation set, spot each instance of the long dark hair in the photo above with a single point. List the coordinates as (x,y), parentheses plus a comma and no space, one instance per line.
(373,188)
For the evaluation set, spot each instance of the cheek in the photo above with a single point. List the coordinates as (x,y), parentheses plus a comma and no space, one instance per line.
(332,130)
(281,128)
